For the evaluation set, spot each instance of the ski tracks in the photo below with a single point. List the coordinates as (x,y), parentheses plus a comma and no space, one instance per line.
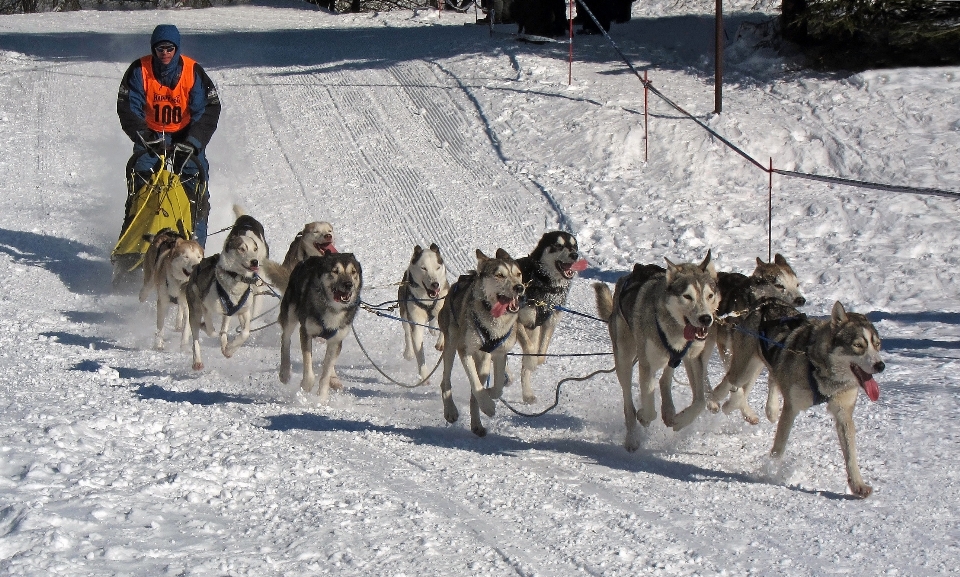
(418,166)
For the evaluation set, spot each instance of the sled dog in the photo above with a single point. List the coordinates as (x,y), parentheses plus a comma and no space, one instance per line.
(224,284)
(477,320)
(420,296)
(166,268)
(322,298)
(547,272)
(316,239)
(810,362)
(660,320)
(739,294)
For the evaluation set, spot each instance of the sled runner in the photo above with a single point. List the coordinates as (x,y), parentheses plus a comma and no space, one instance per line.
(170,196)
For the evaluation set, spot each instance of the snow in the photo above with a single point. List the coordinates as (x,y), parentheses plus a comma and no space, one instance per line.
(409,127)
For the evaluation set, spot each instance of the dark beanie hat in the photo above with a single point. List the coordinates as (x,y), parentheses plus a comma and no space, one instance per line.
(165,33)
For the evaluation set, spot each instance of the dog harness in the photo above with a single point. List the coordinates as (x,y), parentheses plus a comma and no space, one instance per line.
(229,308)
(488,343)
(676,357)
(769,347)
(428,305)
(542,295)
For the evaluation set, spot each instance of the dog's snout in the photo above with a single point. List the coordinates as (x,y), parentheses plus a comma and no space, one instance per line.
(879,366)
(705,320)
(799,301)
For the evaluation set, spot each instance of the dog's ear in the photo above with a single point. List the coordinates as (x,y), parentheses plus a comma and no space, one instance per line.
(671,270)
(707,265)
(503,255)
(838,316)
(481,258)
(778,258)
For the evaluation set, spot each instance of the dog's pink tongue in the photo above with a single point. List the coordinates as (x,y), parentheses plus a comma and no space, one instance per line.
(499,308)
(579,266)
(872,389)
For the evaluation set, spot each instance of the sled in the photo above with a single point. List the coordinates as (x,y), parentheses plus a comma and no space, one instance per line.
(166,198)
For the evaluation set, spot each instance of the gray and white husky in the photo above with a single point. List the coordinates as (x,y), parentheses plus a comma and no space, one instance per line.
(421,294)
(478,322)
(811,361)
(659,320)
(739,294)
(322,298)
(547,273)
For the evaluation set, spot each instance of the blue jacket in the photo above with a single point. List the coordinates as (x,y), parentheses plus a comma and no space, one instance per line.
(204,100)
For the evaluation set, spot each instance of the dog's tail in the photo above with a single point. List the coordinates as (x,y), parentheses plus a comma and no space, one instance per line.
(604,300)
(277,274)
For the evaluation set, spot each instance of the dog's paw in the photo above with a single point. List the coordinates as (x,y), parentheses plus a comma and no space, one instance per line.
(860,490)
(450,413)
(487,406)
(750,416)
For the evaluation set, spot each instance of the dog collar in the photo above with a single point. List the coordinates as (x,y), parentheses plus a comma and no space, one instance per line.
(229,308)
(676,357)
(239,277)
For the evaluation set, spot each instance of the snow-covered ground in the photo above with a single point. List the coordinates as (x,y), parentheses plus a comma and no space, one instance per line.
(404,128)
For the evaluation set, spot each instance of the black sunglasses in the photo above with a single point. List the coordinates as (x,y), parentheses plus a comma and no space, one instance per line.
(165,48)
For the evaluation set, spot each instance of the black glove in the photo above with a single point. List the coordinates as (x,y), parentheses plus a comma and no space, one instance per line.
(182,148)
(150,138)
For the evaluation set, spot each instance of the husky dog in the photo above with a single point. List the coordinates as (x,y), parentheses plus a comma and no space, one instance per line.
(166,268)
(810,362)
(739,294)
(322,298)
(246,225)
(421,294)
(477,321)
(223,284)
(660,320)
(547,273)
(316,239)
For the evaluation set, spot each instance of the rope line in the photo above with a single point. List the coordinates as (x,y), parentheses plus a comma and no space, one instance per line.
(750,159)
(423,382)
(556,400)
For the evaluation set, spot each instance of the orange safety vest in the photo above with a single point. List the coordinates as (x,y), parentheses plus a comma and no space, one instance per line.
(167,109)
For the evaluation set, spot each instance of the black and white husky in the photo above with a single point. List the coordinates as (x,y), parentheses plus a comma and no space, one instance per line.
(322,298)
(547,272)
(420,296)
